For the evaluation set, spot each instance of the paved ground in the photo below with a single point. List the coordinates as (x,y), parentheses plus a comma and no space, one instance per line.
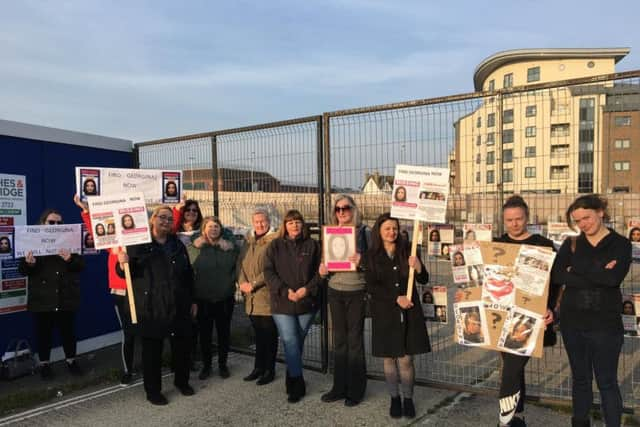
(235,402)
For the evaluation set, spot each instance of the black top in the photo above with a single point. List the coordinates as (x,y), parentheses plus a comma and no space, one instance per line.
(536,240)
(592,298)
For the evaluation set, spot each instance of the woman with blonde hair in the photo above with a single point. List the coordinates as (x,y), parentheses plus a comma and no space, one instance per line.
(214,264)
(162,281)
(347,298)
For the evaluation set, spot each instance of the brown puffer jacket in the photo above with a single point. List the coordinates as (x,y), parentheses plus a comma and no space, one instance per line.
(251,269)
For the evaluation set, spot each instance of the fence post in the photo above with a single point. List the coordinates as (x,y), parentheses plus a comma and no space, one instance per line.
(324,197)
(214,174)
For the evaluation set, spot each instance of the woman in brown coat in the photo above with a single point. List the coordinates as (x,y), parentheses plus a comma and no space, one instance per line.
(256,294)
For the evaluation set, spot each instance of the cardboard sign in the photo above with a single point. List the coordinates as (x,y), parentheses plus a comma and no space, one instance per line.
(47,239)
(119,220)
(158,186)
(420,193)
(509,301)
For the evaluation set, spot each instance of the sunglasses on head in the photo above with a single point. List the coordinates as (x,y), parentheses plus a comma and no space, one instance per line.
(346,208)
(51,222)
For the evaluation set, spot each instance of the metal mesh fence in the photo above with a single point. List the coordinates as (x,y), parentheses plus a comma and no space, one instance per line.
(548,142)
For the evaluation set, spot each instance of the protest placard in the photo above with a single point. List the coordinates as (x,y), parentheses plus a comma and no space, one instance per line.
(43,240)
(13,200)
(510,294)
(338,244)
(158,186)
(439,238)
(13,285)
(119,220)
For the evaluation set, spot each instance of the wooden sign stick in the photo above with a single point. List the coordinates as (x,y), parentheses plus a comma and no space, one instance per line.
(132,302)
(414,249)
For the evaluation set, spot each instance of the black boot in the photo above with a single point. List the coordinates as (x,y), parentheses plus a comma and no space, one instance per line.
(395,410)
(288,383)
(408,409)
(298,389)
(580,422)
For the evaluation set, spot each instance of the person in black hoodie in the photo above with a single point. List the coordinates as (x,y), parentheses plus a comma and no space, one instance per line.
(515,214)
(592,267)
(291,272)
(162,281)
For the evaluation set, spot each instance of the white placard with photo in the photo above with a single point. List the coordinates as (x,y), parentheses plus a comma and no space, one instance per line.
(47,239)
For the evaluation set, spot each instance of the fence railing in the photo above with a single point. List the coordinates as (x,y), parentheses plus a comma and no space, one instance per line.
(549,142)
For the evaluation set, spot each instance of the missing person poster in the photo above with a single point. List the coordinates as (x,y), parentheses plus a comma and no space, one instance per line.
(158,186)
(633,234)
(434,303)
(631,314)
(43,240)
(466,263)
(119,220)
(338,246)
(13,200)
(512,294)
(420,193)
(88,245)
(471,324)
(483,232)
(13,285)
(439,238)
(558,231)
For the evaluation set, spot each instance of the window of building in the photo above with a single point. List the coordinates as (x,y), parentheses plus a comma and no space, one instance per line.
(621,166)
(623,121)
(559,150)
(622,143)
(507,116)
(533,74)
(491,86)
(491,120)
(530,151)
(507,156)
(531,111)
(507,136)
(479,122)
(491,138)
(490,158)
(507,81)
(479,140)
(620,189)
(530,172)
(561,129)
(507,175)
(560,172)
(478,158)
(477,176)
(490,177)
(530,131)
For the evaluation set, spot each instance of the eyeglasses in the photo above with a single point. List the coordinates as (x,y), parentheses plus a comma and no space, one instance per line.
(51,222)
(194,210)
(346,208)
(165,218)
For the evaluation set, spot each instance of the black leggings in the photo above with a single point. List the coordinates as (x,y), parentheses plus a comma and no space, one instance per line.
(219,312)
(45,321)
(512,386)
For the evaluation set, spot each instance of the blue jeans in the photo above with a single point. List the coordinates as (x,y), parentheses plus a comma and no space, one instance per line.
(594,352)
(293,329)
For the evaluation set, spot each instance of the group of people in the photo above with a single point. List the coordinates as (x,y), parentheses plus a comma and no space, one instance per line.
(184,283)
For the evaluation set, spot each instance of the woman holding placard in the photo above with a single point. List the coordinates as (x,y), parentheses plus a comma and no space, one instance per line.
(162,281)
(398,325)
(592,266)
(118,290)
(347,299)
(54,298)
(291,272)
(214,264)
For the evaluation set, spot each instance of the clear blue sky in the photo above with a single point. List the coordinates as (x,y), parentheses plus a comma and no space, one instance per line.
(150,69)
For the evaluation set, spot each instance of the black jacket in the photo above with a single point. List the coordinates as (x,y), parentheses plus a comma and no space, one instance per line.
(592,298)
(395,332)
(292,264)
(54,284)
(162,281)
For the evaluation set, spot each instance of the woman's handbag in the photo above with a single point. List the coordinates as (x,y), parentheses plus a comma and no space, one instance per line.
(17,360)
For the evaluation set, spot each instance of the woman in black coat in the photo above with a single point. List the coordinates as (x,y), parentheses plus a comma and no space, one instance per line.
(398,325)
(54,298)
(162,281)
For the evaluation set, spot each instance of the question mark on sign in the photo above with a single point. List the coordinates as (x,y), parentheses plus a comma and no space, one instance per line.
(525,299)
(466,294)
(496,319)
(497,252)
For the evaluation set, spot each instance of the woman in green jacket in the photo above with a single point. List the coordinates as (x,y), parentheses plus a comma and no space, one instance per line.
(214,265)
